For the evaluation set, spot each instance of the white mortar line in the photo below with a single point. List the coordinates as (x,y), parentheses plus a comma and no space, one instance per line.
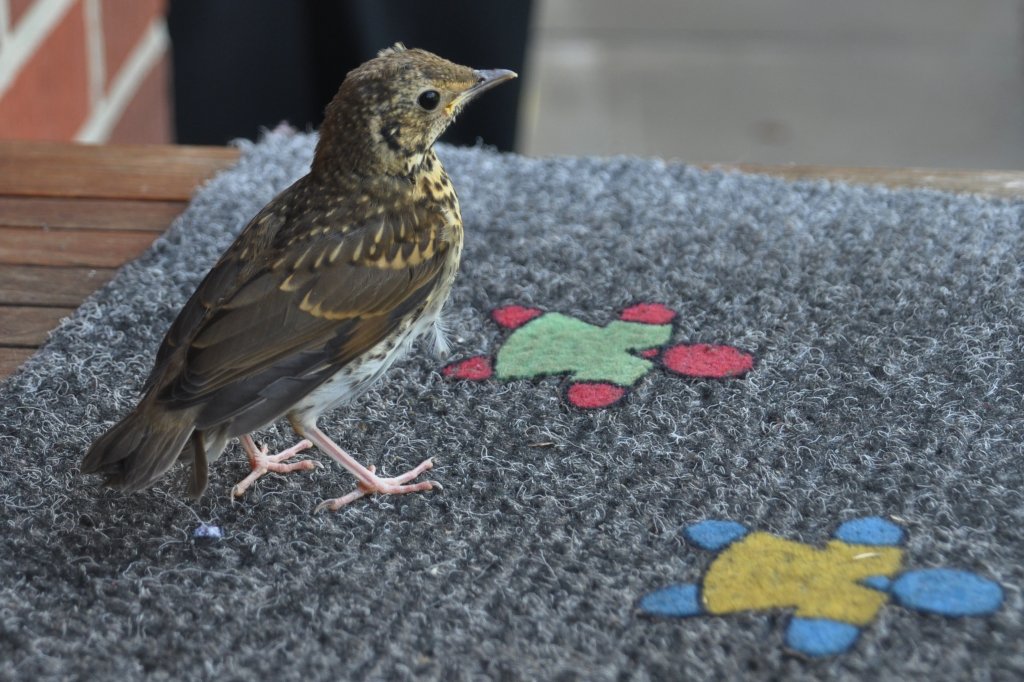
(140,62)
(32,29)
(94,49)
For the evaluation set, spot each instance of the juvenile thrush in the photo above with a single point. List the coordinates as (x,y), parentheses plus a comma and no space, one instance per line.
(320,293)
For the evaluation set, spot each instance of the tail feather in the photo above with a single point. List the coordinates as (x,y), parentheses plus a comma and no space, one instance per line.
(140,448)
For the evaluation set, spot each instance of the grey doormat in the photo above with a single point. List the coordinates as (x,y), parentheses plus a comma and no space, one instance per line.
(697,426)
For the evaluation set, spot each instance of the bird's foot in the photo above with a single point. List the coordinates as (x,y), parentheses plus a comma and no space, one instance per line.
(386,486)
(263,463)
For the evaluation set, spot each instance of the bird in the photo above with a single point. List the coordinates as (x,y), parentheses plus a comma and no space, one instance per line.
(321,292)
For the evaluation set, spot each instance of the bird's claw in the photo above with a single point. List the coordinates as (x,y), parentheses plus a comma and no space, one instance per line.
(262,463)
(386,486)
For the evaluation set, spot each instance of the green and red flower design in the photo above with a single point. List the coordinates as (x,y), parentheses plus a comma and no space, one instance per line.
(602,363)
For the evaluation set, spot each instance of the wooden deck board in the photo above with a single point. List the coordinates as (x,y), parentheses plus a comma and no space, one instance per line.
(27,326)
(70,215)
(74,213)
(34,285)
(62,248)
(12,358)
(57,169)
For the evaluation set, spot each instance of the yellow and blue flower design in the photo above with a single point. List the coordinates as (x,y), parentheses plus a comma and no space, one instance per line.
(834,591)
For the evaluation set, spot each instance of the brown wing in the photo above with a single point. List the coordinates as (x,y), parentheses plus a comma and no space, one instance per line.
(273,327)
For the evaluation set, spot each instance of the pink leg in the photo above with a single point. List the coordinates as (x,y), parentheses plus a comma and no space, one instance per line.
(368,481)
(262,463)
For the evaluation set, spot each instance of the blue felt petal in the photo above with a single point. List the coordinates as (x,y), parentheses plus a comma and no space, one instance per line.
(820,637)
(870,530)
(948,592)
(714,534)
(675,600)
(878,582)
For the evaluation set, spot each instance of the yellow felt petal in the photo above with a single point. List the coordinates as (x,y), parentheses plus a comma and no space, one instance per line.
(763,571)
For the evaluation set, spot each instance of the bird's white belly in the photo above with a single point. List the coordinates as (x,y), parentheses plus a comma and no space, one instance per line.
(359,376)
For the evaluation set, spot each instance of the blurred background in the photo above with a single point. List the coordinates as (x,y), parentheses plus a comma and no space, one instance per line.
(936,83)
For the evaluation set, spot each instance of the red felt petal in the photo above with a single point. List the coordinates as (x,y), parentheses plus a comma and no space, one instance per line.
(702,360)
(648,313)
(472,369)
(513,316)
(593,396)
(650,353)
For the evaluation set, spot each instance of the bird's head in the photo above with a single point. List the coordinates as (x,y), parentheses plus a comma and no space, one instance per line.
(391,110)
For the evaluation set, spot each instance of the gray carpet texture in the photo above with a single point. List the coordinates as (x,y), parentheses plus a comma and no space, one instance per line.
(885,329)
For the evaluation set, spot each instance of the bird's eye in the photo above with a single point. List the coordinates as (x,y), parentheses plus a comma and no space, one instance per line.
(429,99)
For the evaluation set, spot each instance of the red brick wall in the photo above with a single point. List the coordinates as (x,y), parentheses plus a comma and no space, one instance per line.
(86,70)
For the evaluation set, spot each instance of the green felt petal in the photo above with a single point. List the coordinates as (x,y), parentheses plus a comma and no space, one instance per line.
(557,344)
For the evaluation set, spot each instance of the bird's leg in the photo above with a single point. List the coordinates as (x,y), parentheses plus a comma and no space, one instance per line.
(368,481)
(262,463)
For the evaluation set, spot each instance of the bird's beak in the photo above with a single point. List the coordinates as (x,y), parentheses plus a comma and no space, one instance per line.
(486,79)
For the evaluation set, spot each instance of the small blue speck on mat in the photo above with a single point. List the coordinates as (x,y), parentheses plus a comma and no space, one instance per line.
(713,534)
(878,582)
(820,636)
(208,531)
(870,530)
(677,600)
(948,592)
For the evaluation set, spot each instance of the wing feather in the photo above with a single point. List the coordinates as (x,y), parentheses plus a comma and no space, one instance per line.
(316,302)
